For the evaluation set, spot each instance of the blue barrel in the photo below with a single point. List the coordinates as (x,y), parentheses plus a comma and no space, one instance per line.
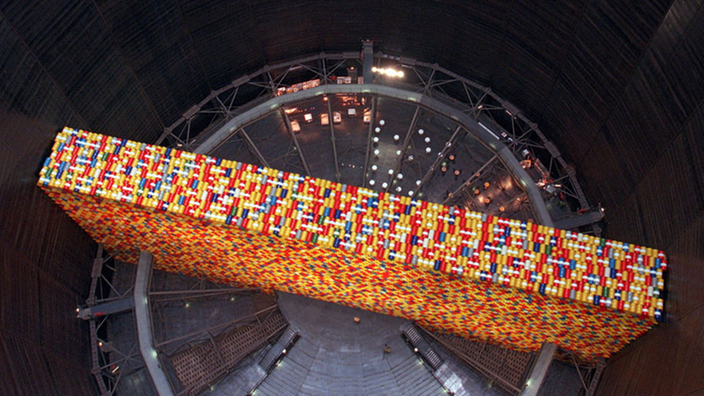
(657,263)
(326,212)
(612,273)
(284,191)
(158,185)
(596,300)
(658,315)
(228,172)
(493,268)
(536,247)
(337,213)
(168,152)
(541,289)
(336,243)
(465,251)
(414,239)
(182,199)
(348,226)
(326,194)
(407,211)
(437,265)
(218,161)
(228,219)
(245,212)
(442,237)
(562,272)
(194,185)
(573,265)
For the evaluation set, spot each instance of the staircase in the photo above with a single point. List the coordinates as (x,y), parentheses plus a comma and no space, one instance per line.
(298,373)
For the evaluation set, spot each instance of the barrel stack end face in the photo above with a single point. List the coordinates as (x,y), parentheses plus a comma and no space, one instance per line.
(517,284)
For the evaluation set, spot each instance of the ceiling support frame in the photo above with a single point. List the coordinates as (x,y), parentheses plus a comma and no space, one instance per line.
(289,128)
(406,142)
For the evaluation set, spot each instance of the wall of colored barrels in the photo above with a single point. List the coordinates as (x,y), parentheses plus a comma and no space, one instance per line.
(516,284)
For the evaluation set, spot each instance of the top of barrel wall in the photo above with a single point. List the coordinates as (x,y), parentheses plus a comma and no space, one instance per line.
(467,244)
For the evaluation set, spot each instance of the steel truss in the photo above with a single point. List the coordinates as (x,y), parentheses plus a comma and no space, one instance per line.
(110,364)
(501,118)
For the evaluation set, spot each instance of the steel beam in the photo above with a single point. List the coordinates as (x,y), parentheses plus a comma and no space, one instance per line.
(406,142)
(576,221)
(469,180)
(528,184)
(369,141)
(120,305)
(334,147)
(144,325)
(437,161)
(540,370)
(215,328)
(287,122)
(254,147)
(368,59)
(204,291)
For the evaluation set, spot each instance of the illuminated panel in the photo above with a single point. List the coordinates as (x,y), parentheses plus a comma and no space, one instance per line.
(512,283)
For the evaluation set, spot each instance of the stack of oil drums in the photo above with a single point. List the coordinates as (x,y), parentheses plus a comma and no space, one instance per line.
(465,244)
